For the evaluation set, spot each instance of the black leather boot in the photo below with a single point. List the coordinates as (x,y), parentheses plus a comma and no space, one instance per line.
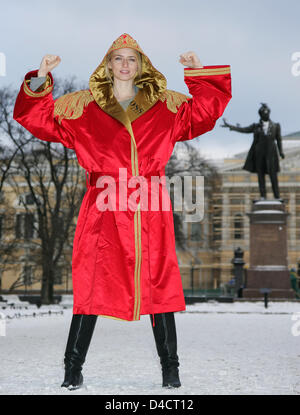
(164,331)
(81,331)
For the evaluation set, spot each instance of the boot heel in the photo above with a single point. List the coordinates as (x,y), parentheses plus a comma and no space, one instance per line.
(76,383)
(171,378)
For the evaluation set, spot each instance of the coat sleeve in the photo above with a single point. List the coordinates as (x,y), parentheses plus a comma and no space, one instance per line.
(34,110)
(210,88)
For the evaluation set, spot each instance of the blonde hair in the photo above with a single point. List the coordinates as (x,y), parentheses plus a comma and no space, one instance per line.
(109,73)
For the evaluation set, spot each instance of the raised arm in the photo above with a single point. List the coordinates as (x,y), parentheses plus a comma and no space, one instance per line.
(34,109)
(210,87)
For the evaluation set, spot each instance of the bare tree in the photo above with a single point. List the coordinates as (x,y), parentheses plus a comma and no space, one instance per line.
(187,159)
(54,192)
(7,151)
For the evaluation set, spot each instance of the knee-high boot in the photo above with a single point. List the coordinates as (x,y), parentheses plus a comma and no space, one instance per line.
(164,331)
(81,331)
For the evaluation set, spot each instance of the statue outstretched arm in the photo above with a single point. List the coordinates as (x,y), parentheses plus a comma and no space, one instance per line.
(249,129)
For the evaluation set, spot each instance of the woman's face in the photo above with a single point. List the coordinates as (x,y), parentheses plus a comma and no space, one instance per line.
(124,64)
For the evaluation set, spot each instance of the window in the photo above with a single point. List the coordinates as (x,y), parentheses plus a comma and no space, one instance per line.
(29,199)
(27,275)
(238,226)
(235,201)
(58,275)
(24,225)
(298,228)
(217,225)
(196,231)
(26,199)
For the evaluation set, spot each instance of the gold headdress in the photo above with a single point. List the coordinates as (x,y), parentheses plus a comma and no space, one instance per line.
(124,41)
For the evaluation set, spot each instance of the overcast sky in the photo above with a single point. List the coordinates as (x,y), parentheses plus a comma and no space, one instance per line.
(257,38)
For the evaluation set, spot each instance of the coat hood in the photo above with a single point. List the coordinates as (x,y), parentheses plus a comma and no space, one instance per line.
(151,84)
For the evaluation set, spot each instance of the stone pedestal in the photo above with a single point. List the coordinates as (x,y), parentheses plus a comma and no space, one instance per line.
(268,251)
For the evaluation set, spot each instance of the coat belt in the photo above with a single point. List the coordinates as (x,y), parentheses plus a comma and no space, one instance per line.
(92,177)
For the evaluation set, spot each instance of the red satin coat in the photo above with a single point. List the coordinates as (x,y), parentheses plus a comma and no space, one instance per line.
(124,262)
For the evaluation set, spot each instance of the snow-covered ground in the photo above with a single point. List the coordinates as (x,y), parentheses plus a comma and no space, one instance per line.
(236,348)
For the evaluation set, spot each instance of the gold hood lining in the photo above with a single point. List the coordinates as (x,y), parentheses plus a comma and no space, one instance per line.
(151,84)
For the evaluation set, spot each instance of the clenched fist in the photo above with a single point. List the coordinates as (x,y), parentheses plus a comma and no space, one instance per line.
(48,63)
(191,60)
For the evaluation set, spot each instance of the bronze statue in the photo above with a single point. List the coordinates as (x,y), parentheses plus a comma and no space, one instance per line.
(263,154)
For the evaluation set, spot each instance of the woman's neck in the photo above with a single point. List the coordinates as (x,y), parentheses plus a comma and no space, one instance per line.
(123,89)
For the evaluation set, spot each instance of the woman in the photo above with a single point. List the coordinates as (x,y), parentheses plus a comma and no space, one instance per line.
(123,129)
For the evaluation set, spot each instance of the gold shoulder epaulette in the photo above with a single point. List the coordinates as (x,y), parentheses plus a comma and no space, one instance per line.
(71,106)
(173,99)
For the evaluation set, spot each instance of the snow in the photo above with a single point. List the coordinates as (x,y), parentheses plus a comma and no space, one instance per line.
(224,349)
(14,300)
(270,268)
(273,212)
(268,202)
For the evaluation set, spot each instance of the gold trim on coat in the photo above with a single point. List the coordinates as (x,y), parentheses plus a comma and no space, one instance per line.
(113,318)
(71,106)
(140,260)
(47,88)
(207,71)
(137,271)
(173,99)
(137,233)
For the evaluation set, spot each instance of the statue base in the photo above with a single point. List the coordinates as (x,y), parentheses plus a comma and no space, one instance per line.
(268,252)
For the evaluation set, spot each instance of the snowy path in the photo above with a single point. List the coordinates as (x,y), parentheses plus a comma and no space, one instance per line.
(223,349)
